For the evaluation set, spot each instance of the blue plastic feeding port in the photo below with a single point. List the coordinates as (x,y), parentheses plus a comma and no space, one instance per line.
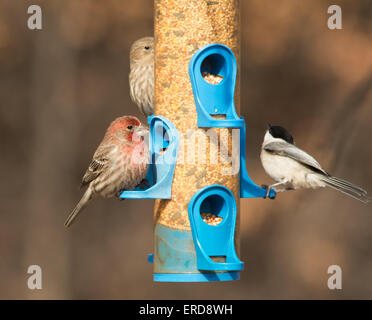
(163,147)
(214,244)
(214,99)
(248,189)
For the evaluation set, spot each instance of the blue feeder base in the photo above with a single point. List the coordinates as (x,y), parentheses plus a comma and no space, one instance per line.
(175,259)
(196,277)
(193,277)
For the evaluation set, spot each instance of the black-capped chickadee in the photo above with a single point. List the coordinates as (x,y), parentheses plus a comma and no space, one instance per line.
(293,168)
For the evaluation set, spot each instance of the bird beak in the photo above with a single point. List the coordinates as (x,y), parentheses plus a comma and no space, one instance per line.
(141,131)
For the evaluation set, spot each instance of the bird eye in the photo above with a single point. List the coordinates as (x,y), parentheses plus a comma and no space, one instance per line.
(130,127)
(147,47)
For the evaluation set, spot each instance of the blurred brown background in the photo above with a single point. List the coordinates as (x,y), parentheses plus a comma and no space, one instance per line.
(60,88)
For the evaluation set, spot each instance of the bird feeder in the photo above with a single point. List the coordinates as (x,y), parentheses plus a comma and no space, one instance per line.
(196,214)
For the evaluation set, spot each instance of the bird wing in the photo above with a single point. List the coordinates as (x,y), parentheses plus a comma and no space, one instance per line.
(98,164)
(289,150)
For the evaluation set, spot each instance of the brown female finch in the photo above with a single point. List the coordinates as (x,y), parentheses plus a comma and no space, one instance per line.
(120,163)
(141,76)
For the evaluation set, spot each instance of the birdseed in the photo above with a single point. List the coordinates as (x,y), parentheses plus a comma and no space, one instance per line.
(181,28)
(212,78)
(211,218)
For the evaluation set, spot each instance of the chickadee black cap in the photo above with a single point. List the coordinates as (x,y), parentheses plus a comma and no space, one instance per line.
(281,133)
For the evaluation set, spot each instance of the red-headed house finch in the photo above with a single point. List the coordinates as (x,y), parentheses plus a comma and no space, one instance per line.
(120,163)
(141,76)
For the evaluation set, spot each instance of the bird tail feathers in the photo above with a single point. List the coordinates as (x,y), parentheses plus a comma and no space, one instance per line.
(347,187)
(79,207)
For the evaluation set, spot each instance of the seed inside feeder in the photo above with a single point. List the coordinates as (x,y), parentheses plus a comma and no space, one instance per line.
(211,218)
(212,78)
